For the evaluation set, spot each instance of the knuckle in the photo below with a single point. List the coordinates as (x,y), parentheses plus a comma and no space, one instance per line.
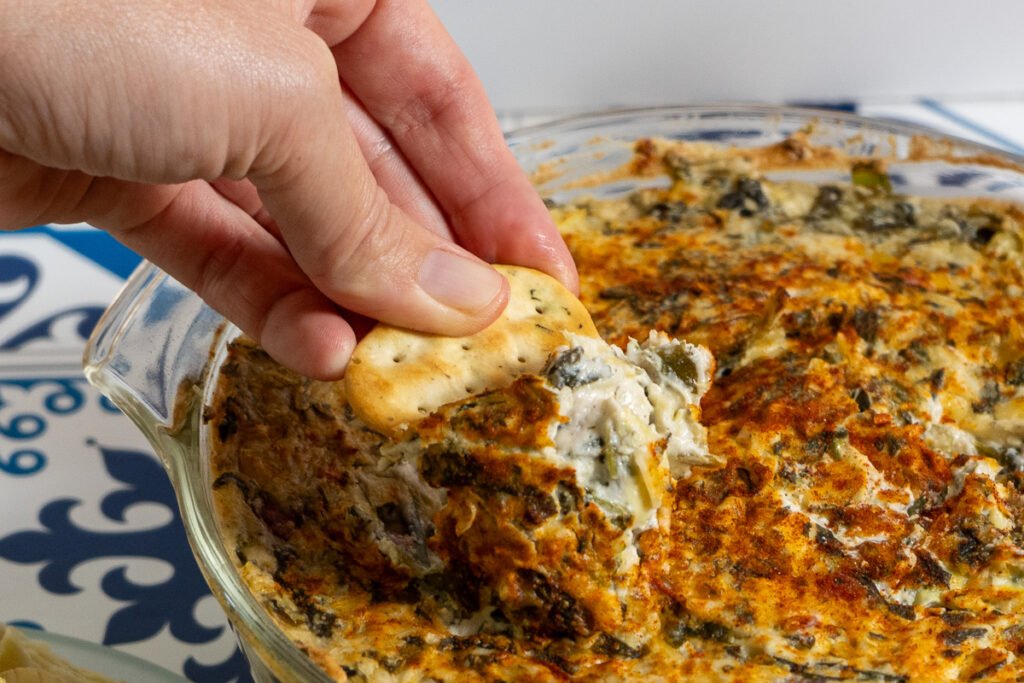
(333,21)
(429,100)
(307,75)
(379,152)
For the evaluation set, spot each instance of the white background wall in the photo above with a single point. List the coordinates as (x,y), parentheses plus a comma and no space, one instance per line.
(578,54)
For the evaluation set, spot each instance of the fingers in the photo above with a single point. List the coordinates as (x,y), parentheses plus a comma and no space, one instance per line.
(255,94)
(356,246)
(402,185)
(235,94)
(332,20)
(212,247)
(31,195)
(243,194)
(207,243)
(410,76)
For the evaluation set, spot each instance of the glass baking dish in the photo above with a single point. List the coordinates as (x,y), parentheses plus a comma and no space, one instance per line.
(157,350)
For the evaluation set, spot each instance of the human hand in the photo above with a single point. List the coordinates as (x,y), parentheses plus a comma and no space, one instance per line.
(291,161)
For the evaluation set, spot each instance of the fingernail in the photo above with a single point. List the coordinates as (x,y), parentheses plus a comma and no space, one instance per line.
(459,282)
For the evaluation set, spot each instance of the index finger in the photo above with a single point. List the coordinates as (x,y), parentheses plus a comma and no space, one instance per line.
(413,79)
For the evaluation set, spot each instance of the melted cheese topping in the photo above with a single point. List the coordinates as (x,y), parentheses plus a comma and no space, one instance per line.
(861,518)
(613,421)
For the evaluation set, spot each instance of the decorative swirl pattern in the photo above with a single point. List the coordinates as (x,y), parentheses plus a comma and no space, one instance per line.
(34,410)
(18,279)
(87,317)
(22,462)
(66,398)
(63,397)
(62,546)
(24,426)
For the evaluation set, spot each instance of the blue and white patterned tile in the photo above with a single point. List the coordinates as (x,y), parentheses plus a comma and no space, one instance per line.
(91,543)
(51,295)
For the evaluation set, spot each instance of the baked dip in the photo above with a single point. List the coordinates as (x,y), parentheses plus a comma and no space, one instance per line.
(848,507)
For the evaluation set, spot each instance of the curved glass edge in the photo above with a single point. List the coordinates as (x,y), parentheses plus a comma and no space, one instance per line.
(154,337)
(712,117)
(563,153)
(154,353)
(272,657)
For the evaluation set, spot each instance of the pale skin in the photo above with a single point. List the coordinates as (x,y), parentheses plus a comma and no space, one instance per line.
(300,164)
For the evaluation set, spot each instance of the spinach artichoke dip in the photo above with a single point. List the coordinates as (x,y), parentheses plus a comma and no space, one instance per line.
(834,492)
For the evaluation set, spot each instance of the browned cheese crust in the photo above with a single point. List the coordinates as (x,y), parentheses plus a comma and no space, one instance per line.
(865,521)
(524,530)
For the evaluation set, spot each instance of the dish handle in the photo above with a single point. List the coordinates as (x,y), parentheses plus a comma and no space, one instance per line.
(152,343)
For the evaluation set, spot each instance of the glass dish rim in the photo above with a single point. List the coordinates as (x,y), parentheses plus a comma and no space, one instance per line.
(523,135)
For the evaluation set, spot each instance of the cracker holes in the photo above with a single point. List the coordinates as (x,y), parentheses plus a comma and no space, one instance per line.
(467,347)
(398,358)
